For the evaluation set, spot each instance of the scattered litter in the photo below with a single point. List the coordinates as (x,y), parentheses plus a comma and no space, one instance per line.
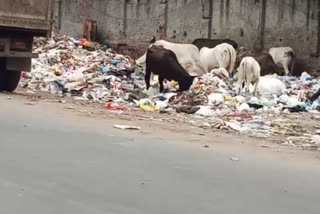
(205,111)
(29,104)
(216,99)
(244,107)
(187,109)
(115,107)
(243,116)
(316,141)
(126,127)
(148,107)
(255,106)
(86,71)
(235,159)
(70,107)
(315,96)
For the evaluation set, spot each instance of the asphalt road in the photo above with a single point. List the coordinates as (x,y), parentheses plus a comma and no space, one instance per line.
(51,164)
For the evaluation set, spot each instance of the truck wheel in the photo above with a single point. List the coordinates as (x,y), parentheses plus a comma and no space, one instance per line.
(2,74)
(12,80)
(9,80)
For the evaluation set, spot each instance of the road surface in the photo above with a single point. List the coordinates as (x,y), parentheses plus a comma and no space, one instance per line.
(55,163)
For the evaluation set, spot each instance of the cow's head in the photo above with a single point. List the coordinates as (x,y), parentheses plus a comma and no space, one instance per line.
(186,83)
(280,70)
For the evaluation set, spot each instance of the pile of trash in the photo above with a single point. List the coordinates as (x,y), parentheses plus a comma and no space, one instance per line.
(89,71)
(82,69)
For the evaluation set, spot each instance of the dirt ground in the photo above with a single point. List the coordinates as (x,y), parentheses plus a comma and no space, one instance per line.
(177,127)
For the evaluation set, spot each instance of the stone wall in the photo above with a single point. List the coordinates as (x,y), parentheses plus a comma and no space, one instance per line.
(252,23)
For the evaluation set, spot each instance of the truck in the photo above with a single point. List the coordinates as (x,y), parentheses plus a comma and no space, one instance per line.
(20,22)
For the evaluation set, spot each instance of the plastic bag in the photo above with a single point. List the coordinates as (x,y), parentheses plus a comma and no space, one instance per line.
(269,85)
(205,111)
(148,107)
(216,99)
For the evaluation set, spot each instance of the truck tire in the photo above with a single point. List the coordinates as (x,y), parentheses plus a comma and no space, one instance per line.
(2,74)
(13,79)
(9,80)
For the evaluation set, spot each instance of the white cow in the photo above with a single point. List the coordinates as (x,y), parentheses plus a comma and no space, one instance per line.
(221,56)
(187,55)
(284,57)
(248,73)
(220,72)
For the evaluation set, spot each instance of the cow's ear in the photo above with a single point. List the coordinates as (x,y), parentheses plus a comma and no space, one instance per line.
(153,40)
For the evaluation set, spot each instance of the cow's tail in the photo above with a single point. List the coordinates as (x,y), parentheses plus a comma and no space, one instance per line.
(244,69)
(232,60)
(225,59)
(242,75)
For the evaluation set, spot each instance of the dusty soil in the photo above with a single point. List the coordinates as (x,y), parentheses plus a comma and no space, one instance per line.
(285,127)
(176,127)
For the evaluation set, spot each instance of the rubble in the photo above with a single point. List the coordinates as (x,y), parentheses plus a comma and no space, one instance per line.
(91,72)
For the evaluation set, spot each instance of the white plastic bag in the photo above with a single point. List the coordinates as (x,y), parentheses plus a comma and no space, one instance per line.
(244,107)
(216,99)
(205,111)
(269,85)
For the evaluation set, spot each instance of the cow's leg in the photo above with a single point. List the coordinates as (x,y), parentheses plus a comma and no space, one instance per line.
(147,77)
(247,86)
(224,60)
(233,58)
(240,82)
(285,64)
(161,83)
(255,91)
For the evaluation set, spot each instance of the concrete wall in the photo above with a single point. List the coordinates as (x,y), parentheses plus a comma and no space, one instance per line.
(252,23)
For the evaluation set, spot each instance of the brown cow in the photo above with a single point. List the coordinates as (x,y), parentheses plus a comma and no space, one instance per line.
(212,43)
(265,60)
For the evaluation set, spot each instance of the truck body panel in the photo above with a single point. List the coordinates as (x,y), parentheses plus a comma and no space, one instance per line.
(33,15)
(20,22)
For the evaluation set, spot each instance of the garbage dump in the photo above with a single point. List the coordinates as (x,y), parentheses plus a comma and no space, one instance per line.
(89,71)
